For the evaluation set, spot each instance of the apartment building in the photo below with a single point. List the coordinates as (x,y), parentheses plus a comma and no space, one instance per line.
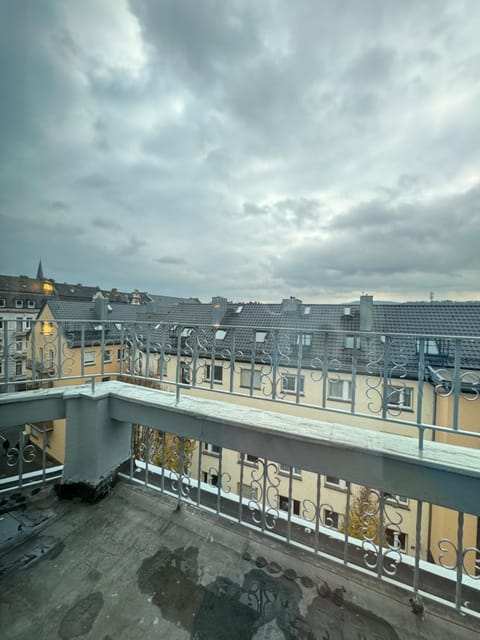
(390,368)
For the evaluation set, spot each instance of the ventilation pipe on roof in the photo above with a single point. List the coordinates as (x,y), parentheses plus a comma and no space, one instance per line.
(366,313)
(219,309)
(291,304)
(100,306)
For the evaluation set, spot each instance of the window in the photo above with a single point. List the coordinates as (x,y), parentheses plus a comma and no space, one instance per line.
(89,358)
(47,287)
(284,505)
(304,339)
(249,459)
(340,390)
(2,302)
(47,328)
(396,539)
(260,336)
(40,354)
(335,483)
(247,491)
(220,334)
(285,468)
(19,304)
(246,376)
(352,342)
(185,377)
(31,304)
(290,382)
(27,323)
(19,324)
(186,332)
(399,397)
(18,368)
(211,448)
(431,347)
(402,501)
(210,478)
(1,323)
(107,355)
(49,362)
(332,519)
(217,373)
(121,353)
(1,368)
(18,345)
(307,310)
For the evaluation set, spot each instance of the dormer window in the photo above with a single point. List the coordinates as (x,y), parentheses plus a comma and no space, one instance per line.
(2,302)
(31,304)
(352,342)
(304,339)
(430,346)
(19,304)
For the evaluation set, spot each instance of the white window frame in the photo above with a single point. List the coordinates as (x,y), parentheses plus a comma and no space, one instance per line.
(121,354)
(346,395)
(110,359)
(210,448)
(249,459)
(260,336)
(18,304)
(208,478)
(216,369)
(50,359)
(246,374)
(89,363)
(352,342)
(220,334)
(19,345)
(403,393)
(284,469)
(19,365)
(305,339)
(338,519)
(332,482)
(293,506)
(395,499)
(397,536)
(292,377)
(31,304)
(431,346)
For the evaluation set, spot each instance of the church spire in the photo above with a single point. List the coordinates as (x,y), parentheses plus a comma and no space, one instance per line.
(40,275)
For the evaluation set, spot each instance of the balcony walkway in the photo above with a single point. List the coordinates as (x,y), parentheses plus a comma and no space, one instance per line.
(132,566)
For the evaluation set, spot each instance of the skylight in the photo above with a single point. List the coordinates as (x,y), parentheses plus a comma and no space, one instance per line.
(307,310)
(220,334)
(260,336)
(186,332)
(239,309)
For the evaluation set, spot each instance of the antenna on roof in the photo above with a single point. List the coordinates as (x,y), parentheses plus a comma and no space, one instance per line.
(432,296)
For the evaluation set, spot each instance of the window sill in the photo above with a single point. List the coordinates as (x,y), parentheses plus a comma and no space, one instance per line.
(286,474)
(331,398)
(335,487)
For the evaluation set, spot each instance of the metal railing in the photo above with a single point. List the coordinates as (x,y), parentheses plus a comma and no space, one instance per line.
(375,505)
(388,536)
(424,384)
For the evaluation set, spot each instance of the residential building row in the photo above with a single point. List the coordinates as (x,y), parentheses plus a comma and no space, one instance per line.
(398,368)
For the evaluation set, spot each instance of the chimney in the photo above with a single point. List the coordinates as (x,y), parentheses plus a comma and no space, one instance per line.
(100,306)
(136,297)
(366,313)
(219,309)
(291,304)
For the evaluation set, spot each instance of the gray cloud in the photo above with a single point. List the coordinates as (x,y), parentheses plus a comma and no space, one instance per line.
(311,148)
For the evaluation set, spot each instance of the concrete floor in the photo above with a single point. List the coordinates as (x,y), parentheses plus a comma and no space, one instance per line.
(132,567)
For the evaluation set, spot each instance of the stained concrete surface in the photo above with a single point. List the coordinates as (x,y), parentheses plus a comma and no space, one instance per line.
(133,567)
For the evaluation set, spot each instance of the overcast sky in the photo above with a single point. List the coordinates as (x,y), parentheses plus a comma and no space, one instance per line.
(249,149)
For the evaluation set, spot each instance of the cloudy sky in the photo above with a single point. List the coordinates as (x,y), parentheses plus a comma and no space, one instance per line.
(249,149)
